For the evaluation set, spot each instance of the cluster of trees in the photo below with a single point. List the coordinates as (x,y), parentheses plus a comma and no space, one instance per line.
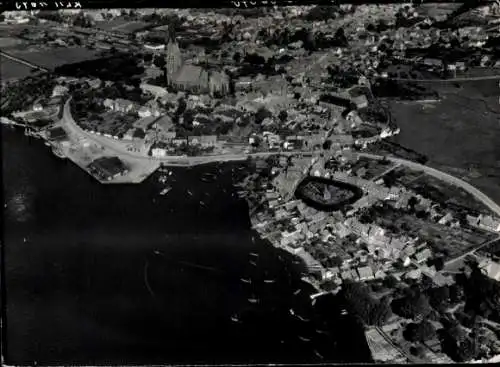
(82,20)
(120,68)
(419,332)
(311,41)
(458,344)
(402,90)
(368,309)
(482,295)
(26,91)
(414,305)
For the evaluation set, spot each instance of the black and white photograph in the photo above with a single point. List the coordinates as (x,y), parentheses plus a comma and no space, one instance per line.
(255,183)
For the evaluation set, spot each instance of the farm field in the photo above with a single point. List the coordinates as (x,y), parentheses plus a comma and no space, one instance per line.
(10,70)
(7,42)
(121,25)
(52,58)
(459,135)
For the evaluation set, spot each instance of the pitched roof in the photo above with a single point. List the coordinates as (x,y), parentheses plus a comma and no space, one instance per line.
(189,74)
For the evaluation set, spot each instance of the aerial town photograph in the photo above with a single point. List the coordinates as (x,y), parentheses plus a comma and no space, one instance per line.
(302,184)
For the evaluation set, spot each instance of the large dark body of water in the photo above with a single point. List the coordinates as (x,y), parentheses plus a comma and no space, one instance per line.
(100,274)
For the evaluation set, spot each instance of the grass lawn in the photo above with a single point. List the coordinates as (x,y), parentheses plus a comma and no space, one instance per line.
(121,25)
(52,58)
(13,70)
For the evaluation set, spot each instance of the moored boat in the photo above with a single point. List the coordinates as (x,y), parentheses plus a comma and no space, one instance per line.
(166,190)
(248,281)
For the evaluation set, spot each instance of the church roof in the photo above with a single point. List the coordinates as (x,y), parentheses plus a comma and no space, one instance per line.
(189,74)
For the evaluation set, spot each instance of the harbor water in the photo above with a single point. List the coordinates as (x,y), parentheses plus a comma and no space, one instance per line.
(112,274)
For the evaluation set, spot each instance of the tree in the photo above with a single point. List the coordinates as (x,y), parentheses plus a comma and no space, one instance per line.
(414,305)
(420,332)
(139,133)
(390,282)
(148,57)
(261,114)
(340,38)
(370,310)
(283,115)
(439,297)
(417,351)
(160,62)
(237,57)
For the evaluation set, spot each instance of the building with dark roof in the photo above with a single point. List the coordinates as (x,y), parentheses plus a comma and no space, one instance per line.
(107,168)
(57,133)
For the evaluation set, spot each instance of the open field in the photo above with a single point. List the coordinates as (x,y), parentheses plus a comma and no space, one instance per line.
(434,10)
(121,25)
(6,42)
(10,69)
(50,59)
(459,135)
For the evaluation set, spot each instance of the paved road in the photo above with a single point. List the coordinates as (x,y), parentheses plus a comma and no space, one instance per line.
(486,77)
(442,176)
(470,252)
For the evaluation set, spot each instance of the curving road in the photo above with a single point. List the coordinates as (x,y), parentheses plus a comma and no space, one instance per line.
(473,78)
(442,176)
(69,123)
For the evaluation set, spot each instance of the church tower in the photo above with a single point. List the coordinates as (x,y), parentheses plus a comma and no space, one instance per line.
(173,57)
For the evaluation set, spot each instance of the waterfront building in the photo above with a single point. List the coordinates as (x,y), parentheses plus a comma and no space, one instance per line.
(108,168)
(57,133)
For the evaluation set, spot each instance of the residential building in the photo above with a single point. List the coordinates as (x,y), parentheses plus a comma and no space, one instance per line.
(203,140)
(489,223)
(423,255)
(365,273)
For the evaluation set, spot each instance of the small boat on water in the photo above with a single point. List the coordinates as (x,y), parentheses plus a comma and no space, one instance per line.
(321,332)
(292,312)
(202,203)
(304,339)
(235,318)
(313,301)
(318,354)
(248,281)
(162,179)
(157,252)
(165,190)
(297,292)
(269,281)
(254,254)
(303,319)
(253,263)
(47,144)
(253,300)
(343,312)
(190,193)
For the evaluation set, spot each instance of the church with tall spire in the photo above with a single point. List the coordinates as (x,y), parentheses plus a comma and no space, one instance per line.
(188,77)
